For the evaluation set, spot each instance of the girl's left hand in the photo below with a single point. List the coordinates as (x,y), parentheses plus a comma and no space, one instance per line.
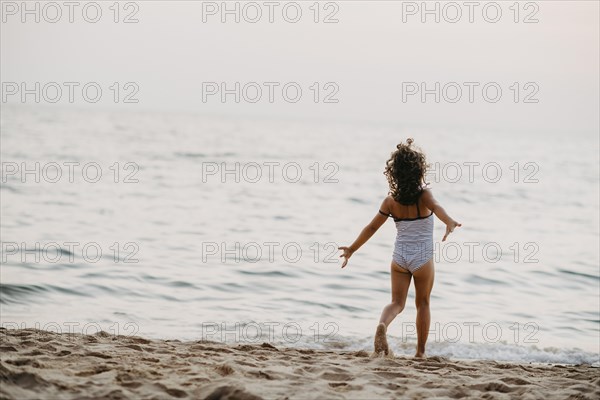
(450,228)
(346,253)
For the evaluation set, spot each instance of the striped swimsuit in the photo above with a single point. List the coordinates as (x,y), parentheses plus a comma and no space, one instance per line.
(414,241)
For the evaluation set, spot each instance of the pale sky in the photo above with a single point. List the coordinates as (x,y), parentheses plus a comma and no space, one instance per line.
(368,55)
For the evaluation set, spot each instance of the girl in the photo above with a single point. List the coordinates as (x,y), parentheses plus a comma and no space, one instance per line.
(411,205)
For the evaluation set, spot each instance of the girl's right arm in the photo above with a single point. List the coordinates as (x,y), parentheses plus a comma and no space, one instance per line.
(431,203)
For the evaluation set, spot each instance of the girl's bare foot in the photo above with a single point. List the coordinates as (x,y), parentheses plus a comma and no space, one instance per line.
(381,344)
(420,354)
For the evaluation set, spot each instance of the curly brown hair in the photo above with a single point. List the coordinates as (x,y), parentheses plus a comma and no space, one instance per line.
(405,172)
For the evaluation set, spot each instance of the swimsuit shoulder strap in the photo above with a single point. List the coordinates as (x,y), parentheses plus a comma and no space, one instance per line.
(387,215)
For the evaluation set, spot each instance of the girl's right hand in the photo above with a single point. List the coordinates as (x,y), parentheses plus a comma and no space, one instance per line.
(346,253)
(450,228)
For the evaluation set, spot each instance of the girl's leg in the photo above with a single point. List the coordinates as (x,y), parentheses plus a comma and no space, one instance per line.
(423,285)
(400,284)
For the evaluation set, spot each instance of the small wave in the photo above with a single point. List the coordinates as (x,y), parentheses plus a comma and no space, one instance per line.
(202,155)
(466,351)
(484,281)
(190,155)
(10,293)
(579,274)
(181,284)
(512,352)
(266,273)
(45,249)
(59,203)
(16,293)
(356,200)
(9,188)
(329,339)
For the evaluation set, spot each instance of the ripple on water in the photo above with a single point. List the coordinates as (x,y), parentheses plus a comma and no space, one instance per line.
(480,280)
(271,273)
(580,274)
(18,293)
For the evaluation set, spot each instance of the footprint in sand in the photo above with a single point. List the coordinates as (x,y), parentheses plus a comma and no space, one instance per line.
(133,347)
(24,380)
(344,387)
(247,364)
(97,354)
(224,370)
(336,376)
(262,375)
(95,371)
(25,361)
(139,340)
(231,392)
(31,353)
(515,381)
(391,375)
(492,387)
(131,385)
(178,393)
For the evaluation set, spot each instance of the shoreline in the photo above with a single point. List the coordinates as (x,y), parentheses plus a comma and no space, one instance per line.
(38,364)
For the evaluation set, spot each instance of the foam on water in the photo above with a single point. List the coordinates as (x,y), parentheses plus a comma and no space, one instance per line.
(468,351)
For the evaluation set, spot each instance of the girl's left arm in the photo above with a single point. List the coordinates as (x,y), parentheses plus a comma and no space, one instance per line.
(366,233)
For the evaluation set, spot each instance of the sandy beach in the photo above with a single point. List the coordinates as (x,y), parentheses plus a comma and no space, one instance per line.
(45,365)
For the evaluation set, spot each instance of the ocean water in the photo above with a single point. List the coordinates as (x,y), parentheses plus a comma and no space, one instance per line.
(223,228)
